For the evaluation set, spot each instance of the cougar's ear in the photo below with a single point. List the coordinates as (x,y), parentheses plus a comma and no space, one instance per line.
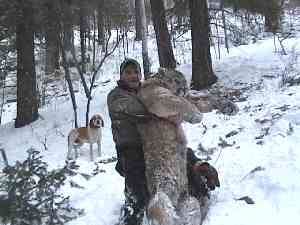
(161,71)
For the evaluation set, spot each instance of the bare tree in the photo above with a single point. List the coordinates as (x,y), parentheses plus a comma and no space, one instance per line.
(224,25)
(164,45)
(107,53)
(52,38)
(27,103)
(272,12)
(66,58)
(83,32)
(66,27)
(138,20)
(100,22)
(146,61)
(3,74)
(94,39)
(88,90)
(67,47)
(202,72)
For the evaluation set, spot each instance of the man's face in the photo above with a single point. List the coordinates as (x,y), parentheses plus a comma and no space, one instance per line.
(131,75)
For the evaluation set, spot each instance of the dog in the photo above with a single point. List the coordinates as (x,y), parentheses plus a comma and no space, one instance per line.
(92,134)
(164,146)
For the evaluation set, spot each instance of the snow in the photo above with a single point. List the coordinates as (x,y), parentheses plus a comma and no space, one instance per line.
(268,138)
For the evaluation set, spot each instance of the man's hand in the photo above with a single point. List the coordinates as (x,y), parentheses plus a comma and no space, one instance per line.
(204,169)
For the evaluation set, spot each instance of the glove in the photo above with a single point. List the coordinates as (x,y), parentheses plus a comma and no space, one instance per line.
(204,170)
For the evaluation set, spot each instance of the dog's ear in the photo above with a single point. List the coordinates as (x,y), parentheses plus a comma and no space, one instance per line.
(102,123)
(92,125)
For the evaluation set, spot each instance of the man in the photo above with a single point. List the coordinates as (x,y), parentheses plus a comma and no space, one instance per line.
(126,111)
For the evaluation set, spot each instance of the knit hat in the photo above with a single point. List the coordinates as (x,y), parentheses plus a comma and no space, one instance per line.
(127,62)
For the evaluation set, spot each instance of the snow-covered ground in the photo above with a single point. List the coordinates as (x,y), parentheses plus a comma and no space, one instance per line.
(262,161)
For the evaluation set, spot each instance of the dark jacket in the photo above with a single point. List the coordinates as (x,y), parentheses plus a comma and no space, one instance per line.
(125,111)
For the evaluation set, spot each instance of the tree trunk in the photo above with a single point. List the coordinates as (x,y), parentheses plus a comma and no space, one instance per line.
(68,34)
(164,46)
(52,39)
(27,103)
(69,42)
(88,33)
(66,65)
(224,25)
(94,40)
(83,32)
(138,20)
(202,72)
(146,61)
(272,13)
(100,23)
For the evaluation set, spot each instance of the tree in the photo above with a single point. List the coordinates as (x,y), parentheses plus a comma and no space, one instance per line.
(202,72)
(66,18)
(66,45)
(270,9)
(272,13)
(143,22)
(83,32)
(52,38)
(164,46)
(100,22)
(138,20)
(27,103)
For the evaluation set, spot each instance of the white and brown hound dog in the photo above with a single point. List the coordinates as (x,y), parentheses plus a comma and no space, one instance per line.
(92,134)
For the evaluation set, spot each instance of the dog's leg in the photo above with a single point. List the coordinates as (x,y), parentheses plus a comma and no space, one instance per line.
(69,149)
(76,152)
(91,152)
(99,148)
(69,152)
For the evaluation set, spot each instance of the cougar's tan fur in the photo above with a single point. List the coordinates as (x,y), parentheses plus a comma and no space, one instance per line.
(164,146)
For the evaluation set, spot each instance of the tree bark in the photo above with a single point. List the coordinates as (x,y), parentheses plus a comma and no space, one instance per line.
(146,61)
(66,65)
(52,39)
(67,29)
(138,20)
(100,23)
(272,13)
(164,46)
(83,32)
(94,40)
(224,25)
(202,72)
(27,102)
